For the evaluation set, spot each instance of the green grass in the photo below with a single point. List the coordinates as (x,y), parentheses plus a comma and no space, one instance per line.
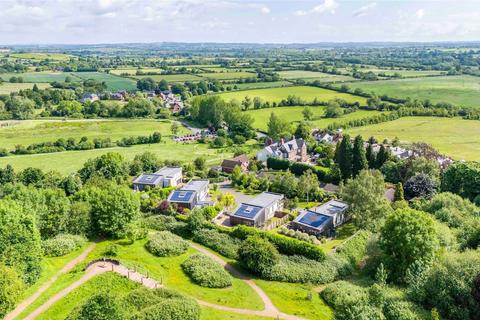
(7,88)
(34,131)
(214,314)
(312,75)
(113,82)
(292,298)
(45,77)
(459,90)
(107,282)
(294,115)
(41,56)
(168,270)
(133,71)
(172,77)
(227,75)
(260,85)
(343,233)
(455,137)
(305,92)
(70,161)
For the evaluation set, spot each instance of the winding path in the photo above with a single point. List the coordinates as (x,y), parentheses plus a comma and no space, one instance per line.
(99,267)
(69,266)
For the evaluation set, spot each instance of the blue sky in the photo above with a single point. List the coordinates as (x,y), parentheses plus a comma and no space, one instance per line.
(280,21)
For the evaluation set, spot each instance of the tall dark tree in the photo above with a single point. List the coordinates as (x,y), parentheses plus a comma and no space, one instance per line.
(343,157)
(359,159)
(370,155)
(398,196)
(382,156)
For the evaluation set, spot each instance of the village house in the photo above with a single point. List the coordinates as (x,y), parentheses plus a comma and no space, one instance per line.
(229,164)
(322,220)
(326,137)
(194,193)
(163,178)
(171,101)
(259,210)
(293,150)
(91,97)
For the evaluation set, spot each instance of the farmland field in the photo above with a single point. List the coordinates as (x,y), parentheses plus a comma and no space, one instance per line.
(227,75)
(41,56)
(33,131)
(311,76)
(306,93)
(455,137)
(391,72)
(172,77)
(39,76)
(113,82)
(260,85)
(133,71)
(458,90)
(294,114)
(7,88)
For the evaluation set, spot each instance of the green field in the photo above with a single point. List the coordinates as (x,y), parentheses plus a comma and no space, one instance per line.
(260,85)
(41,56)
(114,83)
(459,90)
(46,77)
(26,132)
(312,75)
(227,75)
(454,137)
(306,93)
(294,114)
(172,77)
(391,72)
(133,71)
(7,87)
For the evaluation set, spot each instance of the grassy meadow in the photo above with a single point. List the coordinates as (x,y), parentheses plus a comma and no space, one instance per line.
(294,115)
(227,75)
(312,75)
(459,90)
(172,77)
(41,56)
(305,92)
(132,71)
(261,85)
(46,77)
(7,87)
(114,83)
(454,137)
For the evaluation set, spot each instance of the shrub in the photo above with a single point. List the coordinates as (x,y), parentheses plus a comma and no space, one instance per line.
(111,250)
(160,222)
(100,306)
(285,245)
(165,243)
(298,235)
(206,272)
(258,255)
(341,293)
(172,309)
(298,269)
(220,242)
(62,244)
(398,310)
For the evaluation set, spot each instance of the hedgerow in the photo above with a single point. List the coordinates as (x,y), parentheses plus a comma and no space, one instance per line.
(285,245)
(62,244)
(206,272)
(220,242)
(165,243)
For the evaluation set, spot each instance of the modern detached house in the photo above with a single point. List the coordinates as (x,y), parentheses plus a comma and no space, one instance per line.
(293,150)
(258,210)
(193,194)
(322,220)
(163,178)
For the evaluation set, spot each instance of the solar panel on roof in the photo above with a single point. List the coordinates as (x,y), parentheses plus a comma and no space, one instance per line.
(181,196)
(314,219)
(246,211)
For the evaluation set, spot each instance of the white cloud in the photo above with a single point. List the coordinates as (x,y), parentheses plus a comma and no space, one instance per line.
(265,10)
(364,10)
(420,13)
(328,6)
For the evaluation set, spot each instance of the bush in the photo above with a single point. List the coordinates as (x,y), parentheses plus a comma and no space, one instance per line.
(160,222)
(298,269)
(100,306)
(62,244)
(206,272)
(342,293)
(398,310)
(258,255)
(220,242)
(165,243)
(172,309)
(298,235)
(285,245)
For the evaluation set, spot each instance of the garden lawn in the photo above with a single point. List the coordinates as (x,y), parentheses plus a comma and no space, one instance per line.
(168,271)
(45,77)
(114,83)
(26,132)
(7,87)
(294,115)
(459,90)
(172,77)
(296,299)
(312,76)
(71,161)
(454,137)
(106,282)
(306,93)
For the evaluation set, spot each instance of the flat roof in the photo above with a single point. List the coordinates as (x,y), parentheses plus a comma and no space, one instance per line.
(330,208)
(264,199)
(169,171)
(181,196)
(148,178)
(247,211)
(312,219)
(195,185)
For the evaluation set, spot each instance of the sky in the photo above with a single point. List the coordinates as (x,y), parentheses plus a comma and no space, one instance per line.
(268,21)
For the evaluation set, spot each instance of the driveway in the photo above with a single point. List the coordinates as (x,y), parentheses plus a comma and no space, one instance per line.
(225,187)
